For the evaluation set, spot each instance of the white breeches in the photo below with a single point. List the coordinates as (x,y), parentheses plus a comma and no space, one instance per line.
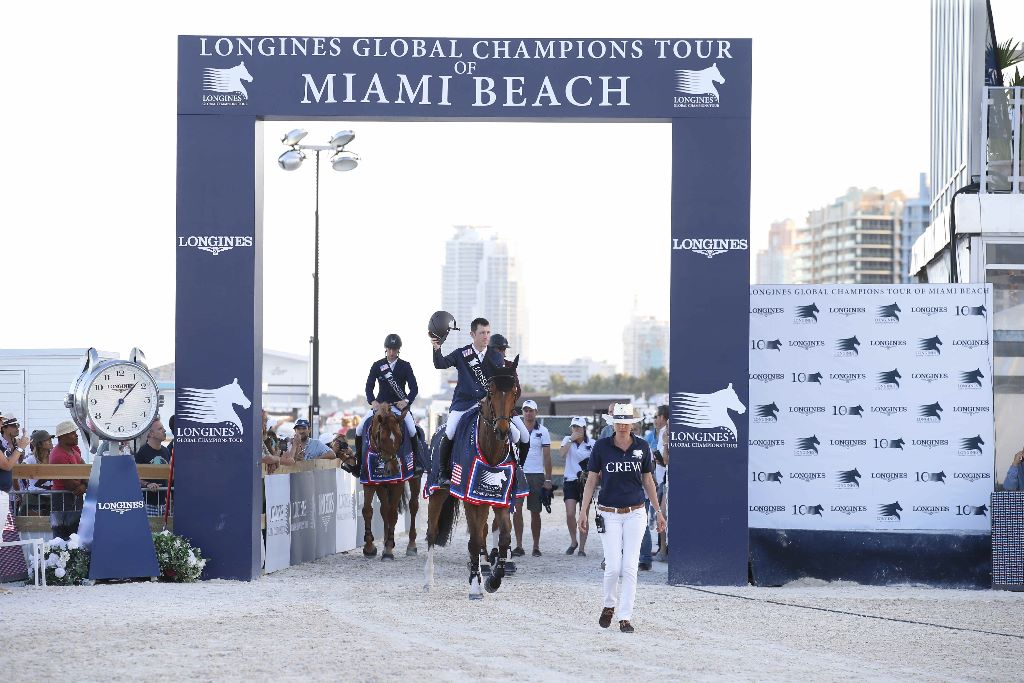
(410,425)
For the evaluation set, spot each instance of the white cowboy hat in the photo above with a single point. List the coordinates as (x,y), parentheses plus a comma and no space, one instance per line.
(622,413)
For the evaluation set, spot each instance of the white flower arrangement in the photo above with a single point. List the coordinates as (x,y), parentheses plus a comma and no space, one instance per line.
(66,562)
(179,561)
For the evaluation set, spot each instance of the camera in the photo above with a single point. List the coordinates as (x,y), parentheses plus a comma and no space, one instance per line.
(599,522)
(658,458)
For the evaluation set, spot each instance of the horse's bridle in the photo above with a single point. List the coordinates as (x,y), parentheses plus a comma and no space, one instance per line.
(493,420)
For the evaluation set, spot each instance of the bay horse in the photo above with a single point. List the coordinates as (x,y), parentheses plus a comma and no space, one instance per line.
(493,433)
(386,439)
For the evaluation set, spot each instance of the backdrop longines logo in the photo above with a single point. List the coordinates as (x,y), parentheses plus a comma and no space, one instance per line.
(888,314)
(848,479)
(806,314)
(214,408)
(697,87)
(224,88)
(847,346)
(708,419)
(215,244)
(709,246)
(929,346)
(971,379)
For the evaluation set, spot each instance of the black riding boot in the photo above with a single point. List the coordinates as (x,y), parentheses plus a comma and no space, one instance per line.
(444,475)
(359,447)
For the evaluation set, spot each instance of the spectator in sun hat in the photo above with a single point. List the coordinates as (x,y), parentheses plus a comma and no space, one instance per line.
(623,462)
(67,452)
(576,449)
(12,450)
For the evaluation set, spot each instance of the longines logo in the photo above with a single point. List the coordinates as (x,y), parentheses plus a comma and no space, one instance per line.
(848,479)
(970,343)
(848,376)
(806,476)
(212,407)
(929,346)
(889,477)
(889,512)
(931,509)
(767,444)
(888,314)
(224,88)
(931,412)
(847,310)
(807,344)
(972,476)
(929,376)
(890,379)
(972,410)
(215,244)
(807,445)
(806,314)
(767,509)
(848,443)
(928,310)
(708,246)
(970,379)
(807,410)
(848,509)
(697,88)
(888,411)
(889,344)
(767,377)
(930,443)
(767,312)
(121,506)
(769,412)
(971,445)
(847,347)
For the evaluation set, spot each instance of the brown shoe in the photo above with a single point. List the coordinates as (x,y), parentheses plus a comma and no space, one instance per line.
(606,617)
(625,626)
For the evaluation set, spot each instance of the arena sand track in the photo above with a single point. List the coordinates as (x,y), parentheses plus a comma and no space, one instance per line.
(351,618)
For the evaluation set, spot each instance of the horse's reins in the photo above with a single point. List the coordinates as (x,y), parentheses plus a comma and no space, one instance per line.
(493,421)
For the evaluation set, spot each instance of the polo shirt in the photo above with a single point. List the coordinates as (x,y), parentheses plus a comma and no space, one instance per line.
(314,449)
(621,471)
(539,437)
(574,455)
(60,456)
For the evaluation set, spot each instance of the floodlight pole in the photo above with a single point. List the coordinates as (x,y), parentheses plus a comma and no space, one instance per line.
(314,408)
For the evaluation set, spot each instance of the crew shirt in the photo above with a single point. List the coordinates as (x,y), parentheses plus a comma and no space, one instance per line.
(621,471)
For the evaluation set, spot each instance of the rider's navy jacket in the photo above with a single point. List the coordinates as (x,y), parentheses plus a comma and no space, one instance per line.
(403,376)
(468,390)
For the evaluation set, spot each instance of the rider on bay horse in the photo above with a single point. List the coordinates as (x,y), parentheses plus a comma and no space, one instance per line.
(475,364)
(391,374)
(500,344)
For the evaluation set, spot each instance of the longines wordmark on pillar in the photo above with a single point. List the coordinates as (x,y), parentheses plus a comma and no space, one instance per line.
(228,84)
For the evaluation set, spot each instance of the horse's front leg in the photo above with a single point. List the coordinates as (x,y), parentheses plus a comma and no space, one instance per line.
(504,520)
(476,543)
(369,549)
(389,513)
(414,509)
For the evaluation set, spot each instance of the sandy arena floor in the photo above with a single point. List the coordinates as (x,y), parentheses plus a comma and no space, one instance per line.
(351,618)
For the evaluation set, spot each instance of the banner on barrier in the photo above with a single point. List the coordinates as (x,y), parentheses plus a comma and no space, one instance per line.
(277,493)
(303,517)
(345,510)
(326,518)
(870,407)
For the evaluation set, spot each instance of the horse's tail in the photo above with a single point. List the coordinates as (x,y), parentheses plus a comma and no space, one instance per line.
(403,502)
(447,520)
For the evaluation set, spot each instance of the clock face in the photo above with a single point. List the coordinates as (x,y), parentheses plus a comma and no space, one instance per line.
(122,401)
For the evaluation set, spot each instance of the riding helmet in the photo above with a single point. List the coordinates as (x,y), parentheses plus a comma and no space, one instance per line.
(498,342)
(441,323)
(392,341)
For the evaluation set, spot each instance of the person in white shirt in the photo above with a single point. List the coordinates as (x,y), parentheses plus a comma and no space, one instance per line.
(661,476)
(576,449)
(537,468)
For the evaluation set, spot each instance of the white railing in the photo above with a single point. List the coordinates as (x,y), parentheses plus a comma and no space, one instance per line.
(1001,135)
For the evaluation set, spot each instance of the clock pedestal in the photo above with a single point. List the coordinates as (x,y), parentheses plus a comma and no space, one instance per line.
(114,525)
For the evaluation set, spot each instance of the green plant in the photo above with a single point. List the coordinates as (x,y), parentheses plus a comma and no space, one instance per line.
(1009,54)
(66,562)
(179,561)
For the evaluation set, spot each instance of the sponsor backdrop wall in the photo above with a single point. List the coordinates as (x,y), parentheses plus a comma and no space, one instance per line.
(871,407)
(227,85)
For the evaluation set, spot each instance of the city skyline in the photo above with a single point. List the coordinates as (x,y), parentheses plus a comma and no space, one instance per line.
(92,228)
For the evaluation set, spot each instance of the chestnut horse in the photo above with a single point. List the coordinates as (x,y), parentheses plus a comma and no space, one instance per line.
(386,440)
(493,437)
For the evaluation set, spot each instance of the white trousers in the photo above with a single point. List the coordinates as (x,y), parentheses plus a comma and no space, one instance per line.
(410,425)
(519,432)
(621,540)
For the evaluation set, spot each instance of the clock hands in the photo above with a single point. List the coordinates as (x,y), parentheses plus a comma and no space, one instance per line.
(120,401)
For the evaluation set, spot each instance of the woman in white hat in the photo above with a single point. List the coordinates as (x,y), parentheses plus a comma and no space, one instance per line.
(624,464)
(576,449)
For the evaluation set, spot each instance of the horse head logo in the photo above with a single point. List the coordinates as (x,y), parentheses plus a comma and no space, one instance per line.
(774,476)
(931,410)
(850,477)
(848,344)
(213,406)
(971,377)
(769,410)
(890,510)
(979,310)
(979,510)
(897,443)
(227,80)
(857,410)
(774,345)
(708,411)
(972,443)
(939,477)
(808,312)
(808,443)
(890,311)
(890,377)
(930,344)
(814,377)
(494,479)
(699,82)
(815,509)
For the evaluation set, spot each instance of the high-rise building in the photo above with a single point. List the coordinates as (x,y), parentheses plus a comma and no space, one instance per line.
(480,279)
(644,345)
(853,240)
(916,217)
(775,264)
(538,375)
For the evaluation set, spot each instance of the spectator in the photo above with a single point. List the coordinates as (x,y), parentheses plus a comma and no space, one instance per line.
(41,444)
(607,430)
(154,452)
(537,468)
(12,450)
(305,448)
(624,464)
(661,476)
(67,452)
(576,449)
(1014,480)
(349,461)
(272,456)
(646,558)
